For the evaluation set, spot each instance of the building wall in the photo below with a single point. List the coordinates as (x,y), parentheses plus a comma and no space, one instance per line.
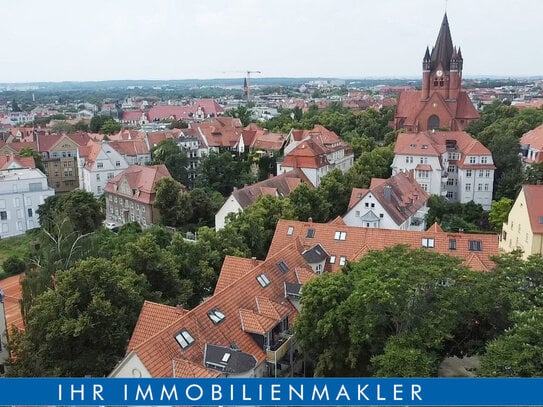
(433,182)
(131,368)
(122,209)
(21,193)
(109,163)
(517,232)
(230,206)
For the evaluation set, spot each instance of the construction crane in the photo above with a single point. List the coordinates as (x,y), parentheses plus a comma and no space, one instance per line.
(247,84)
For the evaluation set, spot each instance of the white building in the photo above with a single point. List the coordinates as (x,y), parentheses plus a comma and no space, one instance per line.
(22,190)
(395,203)
(99,162)
(448,163)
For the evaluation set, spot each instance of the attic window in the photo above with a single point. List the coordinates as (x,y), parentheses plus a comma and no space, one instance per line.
(425,146)
(332,259)
(184,339)
(283,266)
(215,315)
(475,245)
(452,244)
(413,145)
(342,261)
(310,233)
(263,280)
(290,230)
(541,219)
(340,236)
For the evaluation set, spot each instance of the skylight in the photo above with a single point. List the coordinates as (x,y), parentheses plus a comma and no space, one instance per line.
(283,266)
(215,315)
(310,233)
(184,339)
(225,357)
(340,235)
(290,230)
(263,280)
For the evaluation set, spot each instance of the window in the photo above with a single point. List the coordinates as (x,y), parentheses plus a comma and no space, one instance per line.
(479,187)
(487,173)
(481,173)
(433,122)
(117,163)
(110,175)
(99,165)
(357,213)
(29,212)
(263,280)
(310,233)
(373,206)
(381,215)
(451,168)
(468,187)
(283,266)
(452,244)
(424,186)
(475,245)
(468,173)
(484,160)
(184,339)
(290,230)
(450,195)
(472,160)
(342,261)
(428,242)
(215,315)
(3,215)
(332,259)
(486,187)
(450,181)
(340,236)
(366,204)
(97,177)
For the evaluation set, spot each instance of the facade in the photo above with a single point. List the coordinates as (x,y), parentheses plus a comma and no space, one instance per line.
(100,164)
(395,203)
(316,152)
(59,156)
(441,104)
(22,190)
(447,163)
(130,196)
(524,227)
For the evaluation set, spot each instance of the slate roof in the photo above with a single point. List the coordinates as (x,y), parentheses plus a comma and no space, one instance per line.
(227,360)
(443,48)
(358,241)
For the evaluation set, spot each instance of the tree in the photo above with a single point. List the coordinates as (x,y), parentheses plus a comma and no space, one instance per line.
(172,203)
(222,172)
(82,326)
(499,212)
(309,203)
(241,112)
(392,301)
(30,152)
(14,265)
(104,124)
(110,127)
(371,164)
(335,188)
(167,152)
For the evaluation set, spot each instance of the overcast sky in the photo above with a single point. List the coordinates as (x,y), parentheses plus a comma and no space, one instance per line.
(61,40)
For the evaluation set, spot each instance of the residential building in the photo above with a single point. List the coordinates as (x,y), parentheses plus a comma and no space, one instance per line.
(134,151)
(316,152)
(130,196)
(59,156)
(531,146)
(263,142)
(22,190)
(345,243)
(219,134)
(524,227)
(395,203)
(281,186)
(441,104)
(448,163)
(98,163)
(243,330)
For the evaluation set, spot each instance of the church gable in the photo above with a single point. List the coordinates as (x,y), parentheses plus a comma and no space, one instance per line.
(435,114)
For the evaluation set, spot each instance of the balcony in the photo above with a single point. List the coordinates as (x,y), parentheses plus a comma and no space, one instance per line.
(280,349)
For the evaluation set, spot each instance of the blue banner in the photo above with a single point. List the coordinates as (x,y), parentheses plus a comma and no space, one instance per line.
(272,392)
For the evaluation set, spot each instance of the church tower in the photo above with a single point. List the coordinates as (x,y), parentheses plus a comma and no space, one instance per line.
(441,103)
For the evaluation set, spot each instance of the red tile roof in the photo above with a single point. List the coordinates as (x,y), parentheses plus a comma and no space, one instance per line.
(534,206)
(22,162)
(141,179)
(245,300)
(534,139)
(130,148)
(233,268)
(13,293)
(17,146)
(359,240)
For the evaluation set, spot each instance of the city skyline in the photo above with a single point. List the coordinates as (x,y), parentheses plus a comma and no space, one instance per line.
(168,40)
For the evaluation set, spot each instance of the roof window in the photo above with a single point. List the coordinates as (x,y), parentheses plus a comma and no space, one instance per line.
(184,339)
(340,235)
(215,315)
(283,266)
(263,280)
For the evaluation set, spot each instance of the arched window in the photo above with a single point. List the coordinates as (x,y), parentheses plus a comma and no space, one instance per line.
(433,122)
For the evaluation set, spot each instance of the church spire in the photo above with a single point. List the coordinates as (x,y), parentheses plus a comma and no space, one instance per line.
(443,49)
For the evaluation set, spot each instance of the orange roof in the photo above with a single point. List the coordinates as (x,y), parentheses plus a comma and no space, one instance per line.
(359,240)
(130,148)
(13,293)
(23,162)
(534,139)
(243,303)
(534,206)
(356,195)
(233,268)
(141,180)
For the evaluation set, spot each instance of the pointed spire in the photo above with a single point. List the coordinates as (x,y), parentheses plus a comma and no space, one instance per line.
(427,55)
(459,53)
(443,49)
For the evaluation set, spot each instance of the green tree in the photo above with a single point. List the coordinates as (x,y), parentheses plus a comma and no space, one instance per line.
(499,212)
(309,203)
(110,127)
(533,174)
(335,188)
(82,326)
(14,265)
(172,203)
(30,152)
(371,164)
(243,113)
(222,172)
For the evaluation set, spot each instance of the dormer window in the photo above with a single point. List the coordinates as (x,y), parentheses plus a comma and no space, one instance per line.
(184,339)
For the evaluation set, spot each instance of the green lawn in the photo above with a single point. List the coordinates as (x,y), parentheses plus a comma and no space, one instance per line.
(13,246)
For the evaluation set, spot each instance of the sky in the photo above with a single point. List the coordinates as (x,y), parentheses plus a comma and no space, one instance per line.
(67,40)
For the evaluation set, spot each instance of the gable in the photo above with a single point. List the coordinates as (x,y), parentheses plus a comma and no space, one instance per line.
(64,144)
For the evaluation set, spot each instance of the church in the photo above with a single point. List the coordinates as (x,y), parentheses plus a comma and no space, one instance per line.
(441,104)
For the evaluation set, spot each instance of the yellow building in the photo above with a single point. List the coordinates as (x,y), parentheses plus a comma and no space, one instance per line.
(524,227)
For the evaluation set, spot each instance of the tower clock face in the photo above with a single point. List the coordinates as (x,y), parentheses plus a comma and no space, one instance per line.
(439,73)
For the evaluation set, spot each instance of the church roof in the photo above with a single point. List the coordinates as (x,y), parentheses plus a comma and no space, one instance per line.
(443,49)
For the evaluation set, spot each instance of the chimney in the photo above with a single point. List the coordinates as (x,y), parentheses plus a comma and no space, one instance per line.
(310,219)
(387,190)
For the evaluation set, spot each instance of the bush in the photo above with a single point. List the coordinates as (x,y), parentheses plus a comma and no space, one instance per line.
(14,265)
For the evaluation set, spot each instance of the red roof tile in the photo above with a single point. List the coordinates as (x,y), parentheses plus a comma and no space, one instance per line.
(534,206)
(13,293)
(233,268)
(141,179)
